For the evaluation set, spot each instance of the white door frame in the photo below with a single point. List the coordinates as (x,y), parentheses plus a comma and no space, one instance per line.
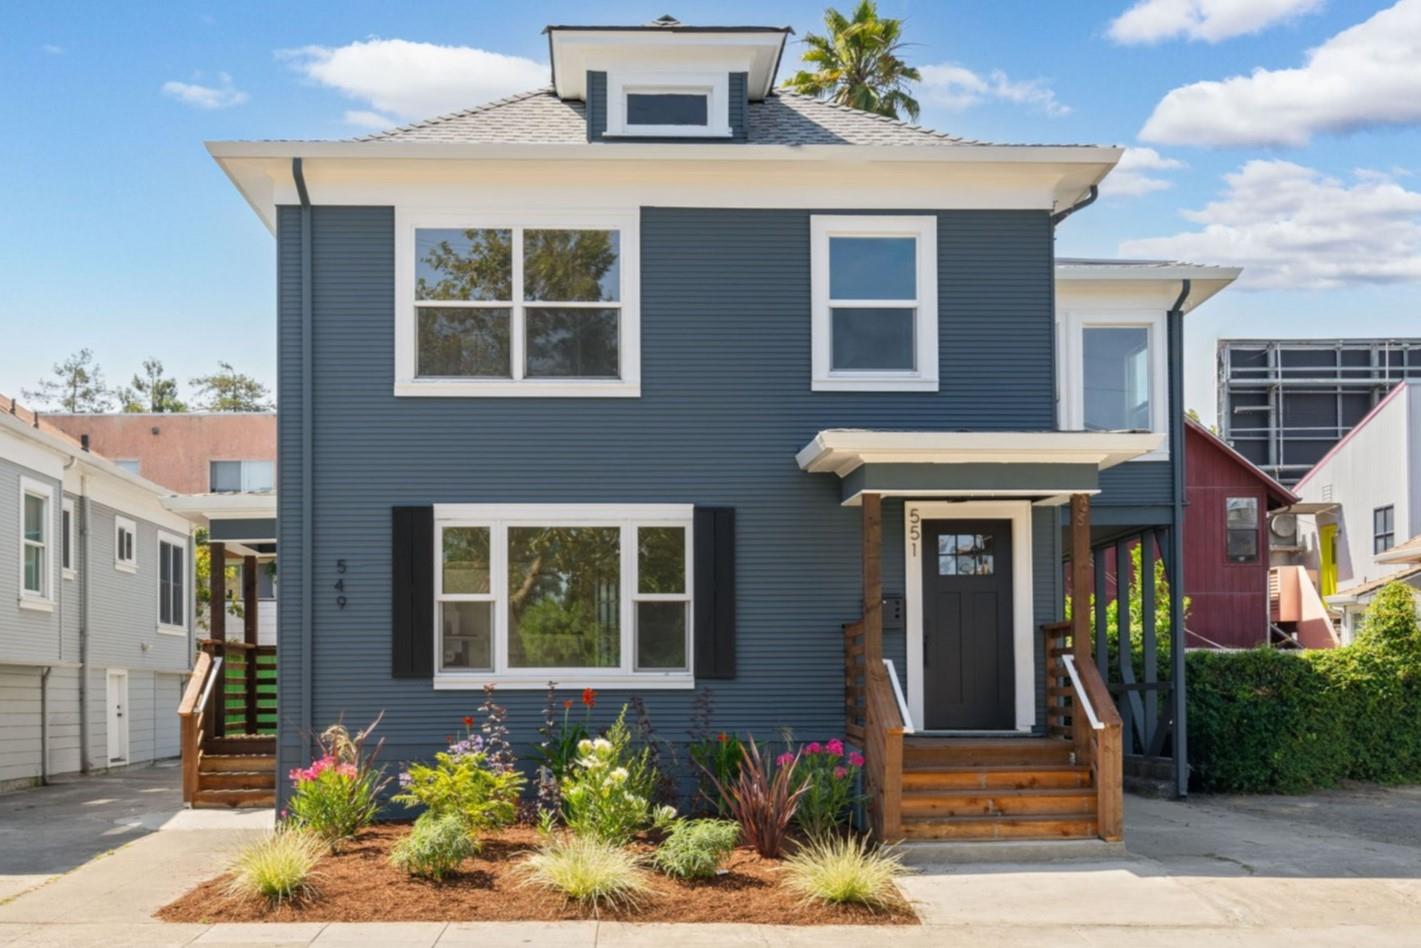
(116,730)
(1023,583)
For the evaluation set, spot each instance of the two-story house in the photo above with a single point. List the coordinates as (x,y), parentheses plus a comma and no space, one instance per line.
(96,608)
(660,380)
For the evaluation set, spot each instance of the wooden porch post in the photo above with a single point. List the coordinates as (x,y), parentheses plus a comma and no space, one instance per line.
(1082,584)
(249,635)
(872,583)
(217,626)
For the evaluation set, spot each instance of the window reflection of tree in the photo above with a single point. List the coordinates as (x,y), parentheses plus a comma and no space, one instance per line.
(563,597)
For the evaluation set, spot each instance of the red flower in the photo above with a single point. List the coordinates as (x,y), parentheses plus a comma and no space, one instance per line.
(567,705)
(589,697)
(468,721)
(723,737)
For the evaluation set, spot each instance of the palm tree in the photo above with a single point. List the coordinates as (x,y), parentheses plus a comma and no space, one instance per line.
(857,64)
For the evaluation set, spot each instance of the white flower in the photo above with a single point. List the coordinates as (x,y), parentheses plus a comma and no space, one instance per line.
(620,775)
(602,745)
(584,746)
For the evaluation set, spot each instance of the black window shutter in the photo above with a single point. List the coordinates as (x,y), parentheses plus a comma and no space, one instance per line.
(412,593)
(715,591)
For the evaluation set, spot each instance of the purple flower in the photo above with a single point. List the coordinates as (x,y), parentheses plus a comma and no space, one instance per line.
(473,744)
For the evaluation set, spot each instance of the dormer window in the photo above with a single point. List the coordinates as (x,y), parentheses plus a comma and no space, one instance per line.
(668,105)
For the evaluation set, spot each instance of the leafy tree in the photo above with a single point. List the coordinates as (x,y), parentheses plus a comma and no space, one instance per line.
(1390,621)
(77,386)
(230,390)
(152,391)
(202,579)
(857,64)
(1135,602)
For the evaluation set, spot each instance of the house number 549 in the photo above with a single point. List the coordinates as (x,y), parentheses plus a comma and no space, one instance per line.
(340,584)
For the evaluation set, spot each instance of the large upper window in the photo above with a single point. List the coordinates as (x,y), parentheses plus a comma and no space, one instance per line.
(231,476)
(172,583)
(1116,378)
(874,283)
(525,594)
(668,105)
(520,310)
(35,542)
(1242,524)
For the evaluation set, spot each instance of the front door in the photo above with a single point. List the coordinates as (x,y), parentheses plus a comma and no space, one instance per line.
(118,717)
(968,662)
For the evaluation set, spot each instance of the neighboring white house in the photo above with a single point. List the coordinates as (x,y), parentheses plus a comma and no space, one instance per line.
(1368,489)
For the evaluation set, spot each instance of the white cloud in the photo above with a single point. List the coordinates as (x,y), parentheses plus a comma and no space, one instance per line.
(52,49)
(417,80)
(1366,76)
(1132,176)
(956,88)
(221,96)
(364,118)
(1150,21)
(1293,227)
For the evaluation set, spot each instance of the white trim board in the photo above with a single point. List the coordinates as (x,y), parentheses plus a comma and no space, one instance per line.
(1023,586)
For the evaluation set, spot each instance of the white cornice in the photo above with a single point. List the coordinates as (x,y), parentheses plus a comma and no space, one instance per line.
(842,451)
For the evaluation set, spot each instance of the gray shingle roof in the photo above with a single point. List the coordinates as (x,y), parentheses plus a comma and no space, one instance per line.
(539,117)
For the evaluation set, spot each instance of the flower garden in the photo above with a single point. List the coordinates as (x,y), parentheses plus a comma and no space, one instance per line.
(590,825)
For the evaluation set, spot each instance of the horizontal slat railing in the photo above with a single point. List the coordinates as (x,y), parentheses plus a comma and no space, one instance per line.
(1076,688)
(873,718)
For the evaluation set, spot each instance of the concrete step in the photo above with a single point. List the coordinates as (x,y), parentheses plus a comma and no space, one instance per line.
(242,762)
(236,780)
(1044,826)
(1001,776)
(980,751)
(233,799)
(1014,802)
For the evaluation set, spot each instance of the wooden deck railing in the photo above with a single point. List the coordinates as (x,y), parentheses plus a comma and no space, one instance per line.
(247,699)
(197,713)
(1079,707)
(874,720)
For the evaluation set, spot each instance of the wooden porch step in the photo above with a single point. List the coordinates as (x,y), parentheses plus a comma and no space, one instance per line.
(233,799)
(976,802)
(240,744)
(236,780)
(241,762)
(998,777)
(983,752)
(1049,826)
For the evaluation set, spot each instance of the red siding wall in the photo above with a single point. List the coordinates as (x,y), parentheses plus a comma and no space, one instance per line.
(1229,601)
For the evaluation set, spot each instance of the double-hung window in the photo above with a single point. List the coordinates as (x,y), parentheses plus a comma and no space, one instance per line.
(1113,371)
(35,543)
(874,287)
(597,594)
(493,305)
(125,545)
(172,583)
(1242,525)
(66,538)
(1383,529)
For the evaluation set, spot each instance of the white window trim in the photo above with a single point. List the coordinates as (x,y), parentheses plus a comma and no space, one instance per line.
(172,539)
(1071,360)
(715,86)
(120,564)
(498,518)
(69,535)
(42,601)
(624,220)
(243,464)
(1023,583)
(922,227)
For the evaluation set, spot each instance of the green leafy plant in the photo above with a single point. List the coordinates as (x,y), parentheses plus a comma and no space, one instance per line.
(828,773)
(1390,621)
(695,849)
(763,800)
(338,795)
(718,760)
(279,867)
(607,793)
(435,847)
(856,63)
(844,869)
(587,870)
(558,747)
(463,782)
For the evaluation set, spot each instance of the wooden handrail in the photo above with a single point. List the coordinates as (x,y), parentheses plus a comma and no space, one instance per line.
(193,691)
(1091,720)
(875,718)
(194,711)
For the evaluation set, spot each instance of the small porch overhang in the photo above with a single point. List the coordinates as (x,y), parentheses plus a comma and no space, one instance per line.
(1044,466)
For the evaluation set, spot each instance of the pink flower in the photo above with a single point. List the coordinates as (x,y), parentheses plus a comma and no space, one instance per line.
(840,773)
(814,748)
(855,759)
(835,747)
(785,759)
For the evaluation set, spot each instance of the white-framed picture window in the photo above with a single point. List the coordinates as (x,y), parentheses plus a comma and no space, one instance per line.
(579,594)
(36,544)
(873,280)
(668,105)
(1113,373)
(66,537)
(125,544)
(237,476)
(172,583)
(517,305)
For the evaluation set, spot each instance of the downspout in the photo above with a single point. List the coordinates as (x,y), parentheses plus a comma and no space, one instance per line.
(1175,331)
(85,765)
(1084,202)
(44,720)
(305,502)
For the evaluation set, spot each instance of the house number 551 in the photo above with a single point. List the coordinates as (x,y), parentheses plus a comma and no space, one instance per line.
(915,528)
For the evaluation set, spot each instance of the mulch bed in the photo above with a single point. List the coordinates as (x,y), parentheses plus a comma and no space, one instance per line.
(359,885)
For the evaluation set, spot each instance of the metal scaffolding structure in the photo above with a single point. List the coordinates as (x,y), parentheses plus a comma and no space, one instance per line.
(1283,403)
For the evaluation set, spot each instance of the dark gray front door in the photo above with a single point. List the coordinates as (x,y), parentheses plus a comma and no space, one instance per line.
(968,669)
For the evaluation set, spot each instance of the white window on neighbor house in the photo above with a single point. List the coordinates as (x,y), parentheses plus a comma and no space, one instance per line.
(125,544)
(1383,529)
(668,105)
(131,465)
(1113,373)
(36,544)
(236,476)
(873,282)
(66,538)
(493,305)
(578,594)
(172,583)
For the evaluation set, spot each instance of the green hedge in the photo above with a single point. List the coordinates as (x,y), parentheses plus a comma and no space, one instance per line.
(1269,721)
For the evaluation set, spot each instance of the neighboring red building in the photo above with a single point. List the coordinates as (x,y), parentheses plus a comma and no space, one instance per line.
(1226,543)
(190,452)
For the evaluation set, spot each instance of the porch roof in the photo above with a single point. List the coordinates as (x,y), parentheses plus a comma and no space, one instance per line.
(1044,465)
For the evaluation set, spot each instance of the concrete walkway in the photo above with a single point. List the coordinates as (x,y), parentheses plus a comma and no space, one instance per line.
(1221,872)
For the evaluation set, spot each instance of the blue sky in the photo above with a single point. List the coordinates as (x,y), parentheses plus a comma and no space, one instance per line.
(123,236)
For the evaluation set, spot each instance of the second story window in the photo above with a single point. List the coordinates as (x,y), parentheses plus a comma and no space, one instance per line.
(1383,528)
(35,544)
(1241,522)
(125,545)
(234,476)
(172,583)
(1112,371)
(874,287)
(520,310)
